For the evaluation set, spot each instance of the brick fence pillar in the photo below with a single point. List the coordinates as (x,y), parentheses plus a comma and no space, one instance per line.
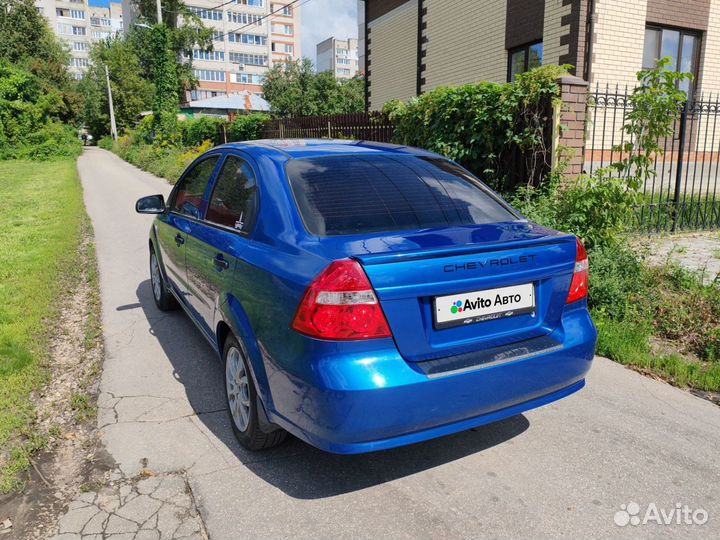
(569,117)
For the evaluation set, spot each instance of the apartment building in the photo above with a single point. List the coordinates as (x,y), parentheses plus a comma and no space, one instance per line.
(412,46)
(340,56)
(79,25)
(248,37)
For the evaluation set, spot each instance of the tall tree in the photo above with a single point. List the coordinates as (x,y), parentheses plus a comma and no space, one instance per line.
(294,89)
(132,93)
(290,88)
(27,40)
(185,32)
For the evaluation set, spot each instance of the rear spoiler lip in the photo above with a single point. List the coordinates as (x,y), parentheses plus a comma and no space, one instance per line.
(470,249)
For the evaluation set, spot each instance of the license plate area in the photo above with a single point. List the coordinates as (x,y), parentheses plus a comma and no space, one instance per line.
(480,306)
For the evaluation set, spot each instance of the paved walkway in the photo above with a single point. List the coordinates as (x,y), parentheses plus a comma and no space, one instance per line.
(564,470)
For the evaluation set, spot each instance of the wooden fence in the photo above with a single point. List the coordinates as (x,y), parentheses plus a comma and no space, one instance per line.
(372,126)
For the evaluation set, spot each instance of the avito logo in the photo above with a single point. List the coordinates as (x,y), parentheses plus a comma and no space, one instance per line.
(500,300)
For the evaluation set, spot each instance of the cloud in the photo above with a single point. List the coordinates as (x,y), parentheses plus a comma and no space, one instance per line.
(321,19)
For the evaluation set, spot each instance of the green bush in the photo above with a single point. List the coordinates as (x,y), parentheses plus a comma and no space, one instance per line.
(53,140)
(168,162)
(29,118)
(106,143)
(595,208)
(196,130)
(247,127)
(144,132)
(484,126)
(617,282)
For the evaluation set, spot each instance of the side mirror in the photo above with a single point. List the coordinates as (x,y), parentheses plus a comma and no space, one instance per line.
(152,204)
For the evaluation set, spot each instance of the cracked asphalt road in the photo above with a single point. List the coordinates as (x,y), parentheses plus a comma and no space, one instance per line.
(560,471)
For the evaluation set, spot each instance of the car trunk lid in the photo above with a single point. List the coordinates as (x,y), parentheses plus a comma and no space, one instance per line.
(419,277)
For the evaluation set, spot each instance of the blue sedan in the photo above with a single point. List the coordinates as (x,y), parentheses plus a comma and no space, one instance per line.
(363,296)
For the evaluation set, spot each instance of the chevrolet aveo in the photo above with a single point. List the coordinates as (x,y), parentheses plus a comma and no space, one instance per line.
(364,296)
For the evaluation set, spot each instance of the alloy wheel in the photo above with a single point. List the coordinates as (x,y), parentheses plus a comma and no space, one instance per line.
(155,277)
(238,388)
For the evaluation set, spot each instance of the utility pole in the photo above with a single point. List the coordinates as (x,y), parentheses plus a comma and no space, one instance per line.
(113,127)
(159,11)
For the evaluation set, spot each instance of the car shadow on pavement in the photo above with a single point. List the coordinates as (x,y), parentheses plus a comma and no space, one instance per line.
(298,469)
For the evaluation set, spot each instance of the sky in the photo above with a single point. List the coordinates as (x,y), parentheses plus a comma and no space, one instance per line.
(320,19)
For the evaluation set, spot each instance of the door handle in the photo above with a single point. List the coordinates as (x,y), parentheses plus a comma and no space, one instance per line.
(220,262)
(179,240)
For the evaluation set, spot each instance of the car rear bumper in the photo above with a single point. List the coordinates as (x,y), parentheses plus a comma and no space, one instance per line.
(374,400)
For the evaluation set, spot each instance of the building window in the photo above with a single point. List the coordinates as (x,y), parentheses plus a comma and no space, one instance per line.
(78,30)
(249,59)
(244,18)
(343,71)
(81,46)
(248,78)
(682,46)
(78,14)
(254,3)
(282,48)
(79,62)
(344,61)
(248,39)
(524,59)
(212,56)
(205,94)
(209,75)
(207,14)
(284,29)
(218,35)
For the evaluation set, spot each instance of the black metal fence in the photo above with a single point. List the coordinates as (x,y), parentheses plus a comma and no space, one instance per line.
(683,193)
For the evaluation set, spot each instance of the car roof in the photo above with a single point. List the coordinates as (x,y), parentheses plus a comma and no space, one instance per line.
(283,149)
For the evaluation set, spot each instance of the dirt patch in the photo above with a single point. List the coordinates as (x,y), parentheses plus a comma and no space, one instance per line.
(697,252)
(72,459)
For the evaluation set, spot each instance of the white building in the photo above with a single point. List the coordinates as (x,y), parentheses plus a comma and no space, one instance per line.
(79,25)
(339,56)
(249,37)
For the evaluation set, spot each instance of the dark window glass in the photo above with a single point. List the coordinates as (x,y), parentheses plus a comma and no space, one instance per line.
(680,45)
(188,197)
(234,199)
(517,64)
(524,59)
(353,195)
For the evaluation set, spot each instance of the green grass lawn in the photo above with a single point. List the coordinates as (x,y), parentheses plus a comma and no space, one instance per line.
(40,230)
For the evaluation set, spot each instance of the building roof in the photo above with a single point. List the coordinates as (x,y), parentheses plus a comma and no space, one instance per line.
(242,101)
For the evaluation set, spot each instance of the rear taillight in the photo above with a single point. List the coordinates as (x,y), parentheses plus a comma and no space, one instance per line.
(579,284)
(341,304)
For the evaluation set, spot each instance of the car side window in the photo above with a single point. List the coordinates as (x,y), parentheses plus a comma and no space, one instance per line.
(188,197)
(234,201)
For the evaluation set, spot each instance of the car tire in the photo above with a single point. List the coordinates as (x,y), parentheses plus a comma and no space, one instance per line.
(164,299)
(242,400)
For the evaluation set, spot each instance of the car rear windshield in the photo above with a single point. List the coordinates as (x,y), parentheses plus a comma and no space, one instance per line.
(342,195)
